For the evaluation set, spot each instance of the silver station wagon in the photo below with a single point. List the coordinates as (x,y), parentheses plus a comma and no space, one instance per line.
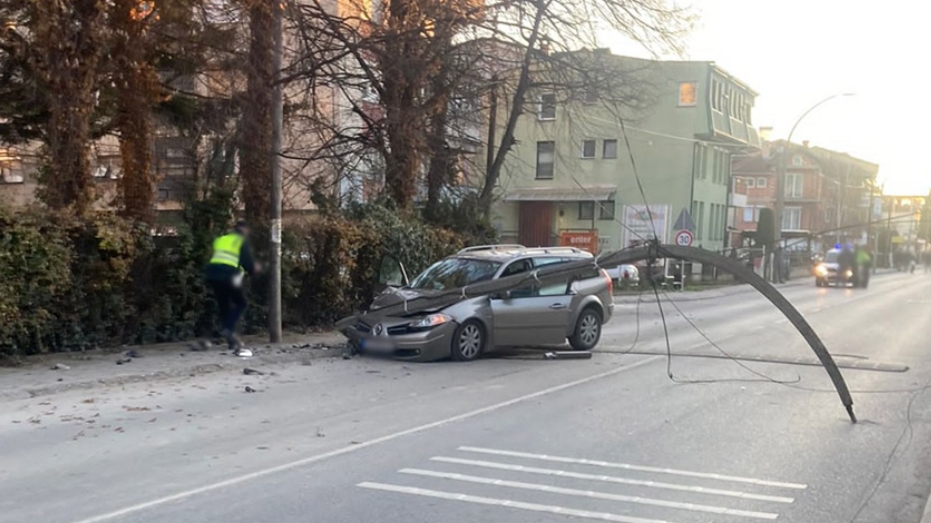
(545,312)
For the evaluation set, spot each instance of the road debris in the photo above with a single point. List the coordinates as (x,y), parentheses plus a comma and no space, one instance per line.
(60,366)
(252,372)
(250,390)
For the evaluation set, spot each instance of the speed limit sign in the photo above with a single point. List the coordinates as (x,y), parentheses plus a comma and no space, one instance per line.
(684,238)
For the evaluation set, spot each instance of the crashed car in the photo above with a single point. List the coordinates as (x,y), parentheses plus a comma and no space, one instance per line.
(827,271)
(547,311)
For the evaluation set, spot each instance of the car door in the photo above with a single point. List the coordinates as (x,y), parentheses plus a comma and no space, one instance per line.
(532,315)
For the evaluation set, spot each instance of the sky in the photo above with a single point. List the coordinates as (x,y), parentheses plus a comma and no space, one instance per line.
(795,53)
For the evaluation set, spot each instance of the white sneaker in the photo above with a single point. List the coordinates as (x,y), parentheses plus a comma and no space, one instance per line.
(242,352)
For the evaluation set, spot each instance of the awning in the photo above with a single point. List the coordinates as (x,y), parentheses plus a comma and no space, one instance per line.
(599,193)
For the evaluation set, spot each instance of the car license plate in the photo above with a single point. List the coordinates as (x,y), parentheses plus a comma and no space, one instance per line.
(377,345)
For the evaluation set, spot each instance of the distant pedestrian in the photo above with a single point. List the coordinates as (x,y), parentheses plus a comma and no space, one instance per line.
(864,263)
(231,260)
(847,264)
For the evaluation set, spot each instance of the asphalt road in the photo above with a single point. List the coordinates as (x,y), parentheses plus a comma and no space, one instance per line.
(613,438)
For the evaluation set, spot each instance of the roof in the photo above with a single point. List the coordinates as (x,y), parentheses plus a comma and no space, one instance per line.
(600,193)
(752,164)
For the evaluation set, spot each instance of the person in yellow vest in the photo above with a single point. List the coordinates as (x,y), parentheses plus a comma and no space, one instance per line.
(230,262)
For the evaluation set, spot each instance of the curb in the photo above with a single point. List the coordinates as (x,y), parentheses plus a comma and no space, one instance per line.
(268,354)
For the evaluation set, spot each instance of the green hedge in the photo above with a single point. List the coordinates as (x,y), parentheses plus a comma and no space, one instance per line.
(68,283)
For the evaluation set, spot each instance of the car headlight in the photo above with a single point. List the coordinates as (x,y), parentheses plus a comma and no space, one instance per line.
(431,321)
(822,270)
(848,274)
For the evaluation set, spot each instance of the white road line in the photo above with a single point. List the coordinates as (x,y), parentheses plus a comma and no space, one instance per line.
(614,479)
(592,494)
(638,468)
(533,507)
(366,444)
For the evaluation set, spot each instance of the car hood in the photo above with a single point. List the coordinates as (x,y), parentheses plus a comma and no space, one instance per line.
(373,316)
(395,296)
(834,266)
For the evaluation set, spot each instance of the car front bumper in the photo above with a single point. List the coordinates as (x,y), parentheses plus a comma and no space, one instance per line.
(428,345)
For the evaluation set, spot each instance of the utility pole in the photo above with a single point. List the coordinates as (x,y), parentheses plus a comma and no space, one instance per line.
(274,308)
(780,183)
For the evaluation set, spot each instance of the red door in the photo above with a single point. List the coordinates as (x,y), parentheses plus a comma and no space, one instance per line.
(535,224)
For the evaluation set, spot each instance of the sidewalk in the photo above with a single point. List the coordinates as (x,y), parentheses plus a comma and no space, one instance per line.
(55,373)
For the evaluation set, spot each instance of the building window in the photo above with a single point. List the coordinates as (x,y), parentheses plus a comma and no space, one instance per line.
(792,218)
(751,183)
(586,210)
(715,92)
(749,215)
(547,107)
(701,220)
(591,95)
(761,183)
(610,149)
(793,185)
(607,210)
(796,161)
(7,175)
(546,156)
(588,148)
(688,94)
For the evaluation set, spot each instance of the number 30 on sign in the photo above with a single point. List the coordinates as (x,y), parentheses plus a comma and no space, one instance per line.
(684,238)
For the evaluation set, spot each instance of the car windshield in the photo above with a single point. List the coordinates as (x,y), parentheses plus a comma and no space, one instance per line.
(455,272)
(831,257)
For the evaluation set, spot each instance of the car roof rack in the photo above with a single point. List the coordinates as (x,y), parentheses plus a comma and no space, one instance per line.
(500,247)
(556,250)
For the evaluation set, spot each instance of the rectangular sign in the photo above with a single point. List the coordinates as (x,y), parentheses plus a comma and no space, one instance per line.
(585,240)
(640,222)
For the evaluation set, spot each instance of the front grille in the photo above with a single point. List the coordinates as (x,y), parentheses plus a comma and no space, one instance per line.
(401,329)
(362,327)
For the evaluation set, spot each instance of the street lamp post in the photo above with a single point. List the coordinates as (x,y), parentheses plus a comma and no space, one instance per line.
(781,190)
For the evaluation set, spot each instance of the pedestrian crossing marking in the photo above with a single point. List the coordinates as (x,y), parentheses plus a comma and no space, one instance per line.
(535,507)
(591,494)
(615,479)
(638,468)
(576,485)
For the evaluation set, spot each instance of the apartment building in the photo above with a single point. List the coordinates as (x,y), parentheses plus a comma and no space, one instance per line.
(575,167)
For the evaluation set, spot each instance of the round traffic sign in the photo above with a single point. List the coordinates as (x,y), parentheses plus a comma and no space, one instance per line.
(684,238)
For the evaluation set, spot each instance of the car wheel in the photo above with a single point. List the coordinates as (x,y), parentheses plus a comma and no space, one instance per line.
(587,330)
(819,283)
(468,341)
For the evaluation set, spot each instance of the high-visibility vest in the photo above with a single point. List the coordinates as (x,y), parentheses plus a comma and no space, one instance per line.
(226,250)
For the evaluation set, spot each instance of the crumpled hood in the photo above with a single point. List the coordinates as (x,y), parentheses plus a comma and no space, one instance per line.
(396,296)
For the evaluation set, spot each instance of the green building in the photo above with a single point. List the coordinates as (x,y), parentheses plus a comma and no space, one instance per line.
(570,169)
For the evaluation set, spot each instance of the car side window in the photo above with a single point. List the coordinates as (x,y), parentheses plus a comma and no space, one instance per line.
(548,260)
(516,267)
(556,287)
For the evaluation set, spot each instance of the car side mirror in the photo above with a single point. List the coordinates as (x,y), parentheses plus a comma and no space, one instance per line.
(503,295)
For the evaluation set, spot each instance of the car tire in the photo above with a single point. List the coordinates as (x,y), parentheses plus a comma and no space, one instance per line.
(468,341)
(587,331)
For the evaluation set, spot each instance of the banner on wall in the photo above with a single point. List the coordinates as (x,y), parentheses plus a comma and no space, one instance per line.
(638,224)
(585,240)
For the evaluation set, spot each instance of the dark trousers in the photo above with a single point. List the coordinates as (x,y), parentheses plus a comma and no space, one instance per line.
(231,301)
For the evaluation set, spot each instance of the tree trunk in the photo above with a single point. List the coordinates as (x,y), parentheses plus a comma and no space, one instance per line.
(68,52)
(255,164)
(137,91)
(507,139)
